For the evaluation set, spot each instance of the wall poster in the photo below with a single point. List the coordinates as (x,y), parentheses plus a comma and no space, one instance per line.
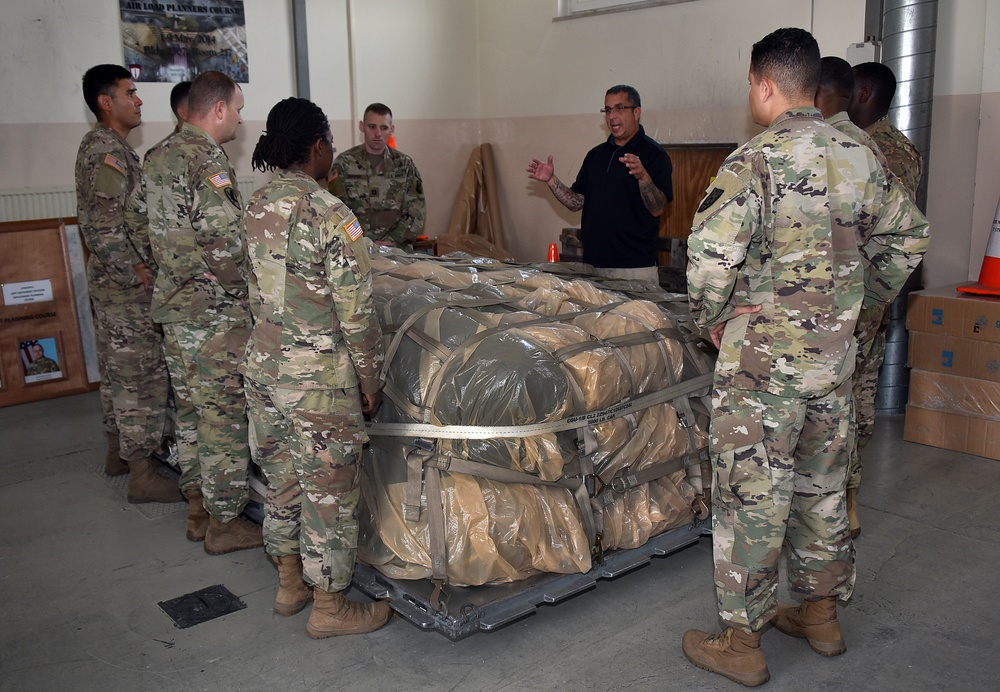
(177,41)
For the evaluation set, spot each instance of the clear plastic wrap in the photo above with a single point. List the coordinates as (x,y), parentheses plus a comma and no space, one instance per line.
(501,346)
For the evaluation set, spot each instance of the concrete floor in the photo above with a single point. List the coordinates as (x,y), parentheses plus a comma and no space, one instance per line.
(81,572)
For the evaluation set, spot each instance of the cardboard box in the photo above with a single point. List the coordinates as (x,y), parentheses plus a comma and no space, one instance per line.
(959,433)
(954,355)
(962,395)
(945,311)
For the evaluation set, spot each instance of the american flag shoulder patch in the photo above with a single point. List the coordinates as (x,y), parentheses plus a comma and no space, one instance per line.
(354,228)
(220,179)
(114,162)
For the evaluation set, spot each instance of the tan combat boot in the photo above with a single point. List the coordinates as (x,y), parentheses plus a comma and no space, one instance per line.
(852,512)
(113,464)
(146,485)
(816,621)
(731,653)
(237,534)
(196,525)
(333,615)
(293,593)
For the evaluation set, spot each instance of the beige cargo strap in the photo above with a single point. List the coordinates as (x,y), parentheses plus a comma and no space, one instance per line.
(627,479)
(420,459)
(484,432)
(423,464)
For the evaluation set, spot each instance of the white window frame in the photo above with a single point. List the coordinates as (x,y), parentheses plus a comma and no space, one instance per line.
(567,9)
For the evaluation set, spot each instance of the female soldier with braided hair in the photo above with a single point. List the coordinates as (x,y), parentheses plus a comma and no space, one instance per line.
(311,369)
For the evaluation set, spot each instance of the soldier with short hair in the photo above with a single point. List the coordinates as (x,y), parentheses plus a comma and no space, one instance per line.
(133,373)
(874,86)
(798,230)
(312,369)
(874,89)
(380,184)
(200,294)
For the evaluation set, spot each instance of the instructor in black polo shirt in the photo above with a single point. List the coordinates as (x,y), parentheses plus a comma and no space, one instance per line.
(622,188)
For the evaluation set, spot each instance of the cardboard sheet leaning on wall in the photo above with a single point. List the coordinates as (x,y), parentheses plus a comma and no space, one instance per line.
(477,208)
(530,421)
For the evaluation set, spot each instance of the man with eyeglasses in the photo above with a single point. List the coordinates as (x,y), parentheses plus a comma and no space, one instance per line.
(622,188)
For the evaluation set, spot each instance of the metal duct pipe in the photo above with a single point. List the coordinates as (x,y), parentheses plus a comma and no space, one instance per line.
(909,40)
(908,30)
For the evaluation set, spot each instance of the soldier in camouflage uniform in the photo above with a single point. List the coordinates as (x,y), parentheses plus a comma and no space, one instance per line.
(872,93)
(874,89)
(312,369)
(777,277)
(194,210)
(382,186)
(133,373)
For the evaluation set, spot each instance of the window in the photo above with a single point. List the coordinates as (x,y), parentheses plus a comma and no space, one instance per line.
(581,8)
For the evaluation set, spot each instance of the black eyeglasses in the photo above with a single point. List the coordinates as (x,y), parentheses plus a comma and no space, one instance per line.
(618,108)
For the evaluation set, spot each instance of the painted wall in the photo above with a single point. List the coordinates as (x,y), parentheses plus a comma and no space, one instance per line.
(544,83)
(457,73)
(964,181)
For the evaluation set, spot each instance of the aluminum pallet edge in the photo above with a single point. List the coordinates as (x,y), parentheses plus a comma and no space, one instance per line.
(473,609)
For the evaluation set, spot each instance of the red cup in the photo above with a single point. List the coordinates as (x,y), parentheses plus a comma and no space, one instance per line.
(553,253)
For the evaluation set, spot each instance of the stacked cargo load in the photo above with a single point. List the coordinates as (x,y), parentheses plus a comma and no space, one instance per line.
(530,421)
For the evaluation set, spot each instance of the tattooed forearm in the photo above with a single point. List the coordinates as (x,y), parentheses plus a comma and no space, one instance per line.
(652,198)
(571,200)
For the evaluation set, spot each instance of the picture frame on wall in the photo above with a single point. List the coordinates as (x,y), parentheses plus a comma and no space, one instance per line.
(41,360)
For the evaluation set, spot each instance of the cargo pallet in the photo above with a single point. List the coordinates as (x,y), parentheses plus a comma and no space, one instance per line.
(473,609)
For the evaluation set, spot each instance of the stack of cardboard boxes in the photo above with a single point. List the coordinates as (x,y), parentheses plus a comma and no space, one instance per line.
(954,353)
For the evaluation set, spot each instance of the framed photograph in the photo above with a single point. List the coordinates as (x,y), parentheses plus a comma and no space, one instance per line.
(40,358)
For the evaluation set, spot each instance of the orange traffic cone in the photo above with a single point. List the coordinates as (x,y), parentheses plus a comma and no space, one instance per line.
(391,142)
(553,253)
(989,275)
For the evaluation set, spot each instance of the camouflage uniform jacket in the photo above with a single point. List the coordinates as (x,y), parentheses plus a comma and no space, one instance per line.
(842,122)
(805,224)
(107,170)
(871,315)
(43,365)
(136,219)
(905,161)
(315,325)
(388,198)
(194,212)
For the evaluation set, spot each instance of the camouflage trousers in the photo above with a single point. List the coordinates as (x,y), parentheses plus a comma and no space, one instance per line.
(133,373)
(780,473)
(211,420)
(865,387)
(308,443)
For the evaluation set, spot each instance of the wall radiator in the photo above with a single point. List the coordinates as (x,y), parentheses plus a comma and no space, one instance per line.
(60,202)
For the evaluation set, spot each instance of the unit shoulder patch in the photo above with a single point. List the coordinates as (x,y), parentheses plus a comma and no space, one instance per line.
(725,188)
(710,199)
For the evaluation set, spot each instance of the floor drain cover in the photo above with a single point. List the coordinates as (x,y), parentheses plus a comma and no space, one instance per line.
(201,606)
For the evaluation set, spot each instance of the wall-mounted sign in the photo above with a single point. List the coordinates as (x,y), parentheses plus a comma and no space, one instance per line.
(177,41)
(24,292)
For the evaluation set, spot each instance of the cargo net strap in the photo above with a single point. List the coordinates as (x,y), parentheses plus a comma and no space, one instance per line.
(489,370)
(679,391)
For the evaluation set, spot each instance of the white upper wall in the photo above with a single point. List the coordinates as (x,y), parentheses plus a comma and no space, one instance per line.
(45,47)
(418,57)
(689,55)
